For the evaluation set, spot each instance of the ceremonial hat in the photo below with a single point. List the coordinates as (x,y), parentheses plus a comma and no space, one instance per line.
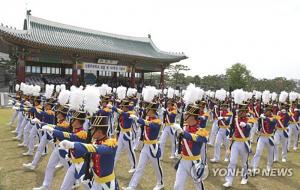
(192,109)
(99,121)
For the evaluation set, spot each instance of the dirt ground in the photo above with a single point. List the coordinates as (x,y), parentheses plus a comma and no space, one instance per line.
(14,177)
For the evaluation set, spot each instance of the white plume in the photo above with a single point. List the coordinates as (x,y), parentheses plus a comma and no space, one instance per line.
(190,95)
(121,92)
(108,90)
(274,96)
(266,96)
(199,93)
(257,95)
(165,91)
(131,92)
(49,90)
(73,88)
(36,90)
(293,96)
(91,99)
(170,93)
(63,97)
(149,93)
(283,96)
(62,87)
(22,86)
(76,99)
(57,88)
(17,88)
(177,92)
(239,96)
(221,94)
(212,94)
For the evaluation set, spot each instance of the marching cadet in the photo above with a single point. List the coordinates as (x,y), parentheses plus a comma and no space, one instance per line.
(169,117)
(282,132)
(48,117)
(214,128)
(29,138)
(241,146)
(193,138)
(224,121)
(126,136)
(102,152)
(256,110)
(55,157)
(266,129)
(151,150)
(77,168)
(294,121)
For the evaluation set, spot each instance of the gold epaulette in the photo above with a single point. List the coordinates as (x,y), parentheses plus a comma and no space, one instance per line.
(131,112)
(202,132)
(112,142)
(82,134)
(106,109)
(64,124)
(50,112)
(157,121)
(251,120)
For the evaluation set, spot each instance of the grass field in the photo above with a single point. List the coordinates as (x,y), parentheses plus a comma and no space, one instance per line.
(14,177)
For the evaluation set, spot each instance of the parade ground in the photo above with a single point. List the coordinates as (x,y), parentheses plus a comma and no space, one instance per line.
(14,177)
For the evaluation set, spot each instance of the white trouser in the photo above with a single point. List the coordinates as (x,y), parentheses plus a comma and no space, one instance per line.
(14,116)
(167,132)
(293,134)
(221,138)
(70,180)
(144,157)
(32,137)
(213,132)
(113,185)
(237,149)
(262,142)
(137,138)
(20,120)
(26,133)
(41,148)
(253,131)
(21,127)
(279,138)
(128,145)
(54,159)
(183,171)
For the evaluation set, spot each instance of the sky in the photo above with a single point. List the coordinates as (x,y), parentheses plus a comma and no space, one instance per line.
(262,34)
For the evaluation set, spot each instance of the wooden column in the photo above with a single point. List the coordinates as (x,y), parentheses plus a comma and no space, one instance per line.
(132,80)
(74,73)
(162,77)
(21,68)
(63,72)
(142,78)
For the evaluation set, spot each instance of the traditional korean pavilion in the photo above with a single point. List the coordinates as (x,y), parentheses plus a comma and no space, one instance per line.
(46,48)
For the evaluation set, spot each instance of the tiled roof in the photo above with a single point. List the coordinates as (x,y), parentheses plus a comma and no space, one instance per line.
(61,36)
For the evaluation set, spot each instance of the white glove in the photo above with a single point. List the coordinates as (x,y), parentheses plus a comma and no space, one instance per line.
(178,129)
(163,109)
(283,111)
(109,106)
(243,124)
(220,118)
(18,104)
(47,128)
(134,117)
(215,106)
(296,109)
(10,102)
(15,108)
(35,120)
(262,116)
(66,144)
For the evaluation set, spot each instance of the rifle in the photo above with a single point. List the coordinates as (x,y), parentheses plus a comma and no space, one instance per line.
(88,174)
(180,136)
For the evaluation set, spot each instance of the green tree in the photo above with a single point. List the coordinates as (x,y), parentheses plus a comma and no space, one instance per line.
(176,75)
(238,76)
